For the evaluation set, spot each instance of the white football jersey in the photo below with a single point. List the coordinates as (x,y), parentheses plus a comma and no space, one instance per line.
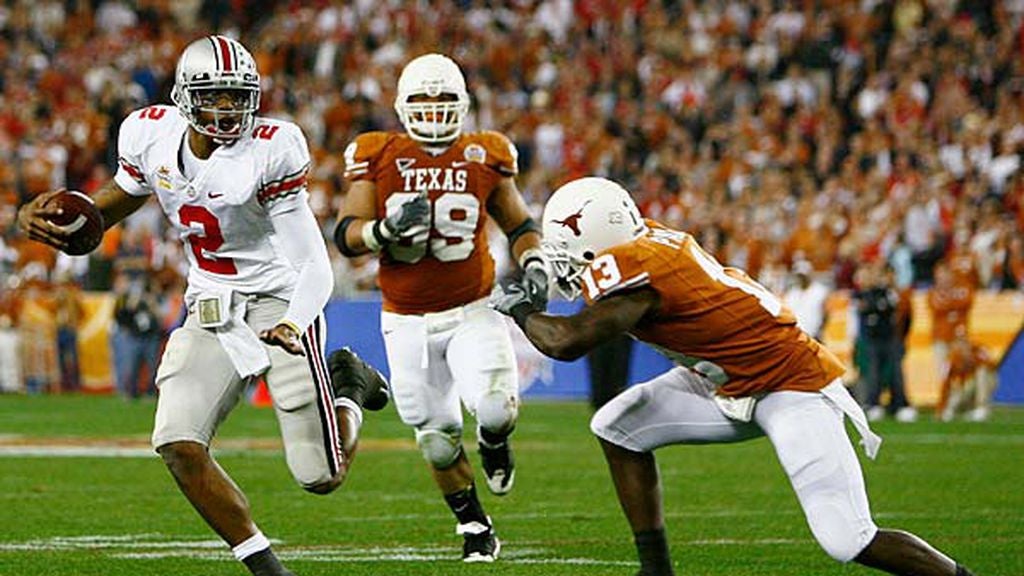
(223,213)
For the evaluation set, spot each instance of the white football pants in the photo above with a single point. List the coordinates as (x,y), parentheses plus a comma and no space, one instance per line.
(199,387)
(439,358)
(806,429)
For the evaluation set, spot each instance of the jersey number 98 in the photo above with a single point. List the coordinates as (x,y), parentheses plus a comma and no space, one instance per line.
(450,237)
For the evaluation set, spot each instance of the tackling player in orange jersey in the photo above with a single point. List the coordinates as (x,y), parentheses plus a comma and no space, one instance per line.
(744,370)
(421,199)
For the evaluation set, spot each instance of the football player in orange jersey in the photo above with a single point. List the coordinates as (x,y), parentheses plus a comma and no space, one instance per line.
(745,370)
(420,199)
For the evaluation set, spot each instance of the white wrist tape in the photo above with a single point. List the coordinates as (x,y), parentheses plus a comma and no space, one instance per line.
(369,238)
(530,257)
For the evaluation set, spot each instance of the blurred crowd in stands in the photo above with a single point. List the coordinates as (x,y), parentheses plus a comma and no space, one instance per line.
(828,134)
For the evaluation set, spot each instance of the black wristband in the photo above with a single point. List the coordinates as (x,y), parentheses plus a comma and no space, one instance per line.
(520,312)
(526,227)
(339,236)
(537,259)
(381,239)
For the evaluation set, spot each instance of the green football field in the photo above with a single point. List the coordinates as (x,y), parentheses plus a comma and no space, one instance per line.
(81,494)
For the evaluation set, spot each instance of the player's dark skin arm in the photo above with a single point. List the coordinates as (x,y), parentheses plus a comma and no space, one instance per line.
(569,337)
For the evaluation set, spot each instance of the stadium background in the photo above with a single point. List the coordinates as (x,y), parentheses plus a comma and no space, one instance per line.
(831,132)
(837,132)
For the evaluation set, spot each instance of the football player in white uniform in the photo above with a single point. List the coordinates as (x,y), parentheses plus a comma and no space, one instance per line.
(421,200)
(234,188)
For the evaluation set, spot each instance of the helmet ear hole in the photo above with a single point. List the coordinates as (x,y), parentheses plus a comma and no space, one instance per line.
(589,255)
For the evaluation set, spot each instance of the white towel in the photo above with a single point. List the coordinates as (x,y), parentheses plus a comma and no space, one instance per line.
(246,350)
(841,397)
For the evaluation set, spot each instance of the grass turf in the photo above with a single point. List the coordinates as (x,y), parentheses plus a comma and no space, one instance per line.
(730,509)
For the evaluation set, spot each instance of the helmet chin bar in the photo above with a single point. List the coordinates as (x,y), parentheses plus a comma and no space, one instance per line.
(445,124)
(206,120)
(242,123)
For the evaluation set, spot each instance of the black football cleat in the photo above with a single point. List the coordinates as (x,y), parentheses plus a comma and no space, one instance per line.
(480,543)
(499,466)
(353,378)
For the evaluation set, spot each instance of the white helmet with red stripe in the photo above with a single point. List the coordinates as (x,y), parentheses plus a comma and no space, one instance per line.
(207,69)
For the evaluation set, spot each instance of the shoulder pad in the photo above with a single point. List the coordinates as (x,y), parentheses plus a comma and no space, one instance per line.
(493,149)
(362,153)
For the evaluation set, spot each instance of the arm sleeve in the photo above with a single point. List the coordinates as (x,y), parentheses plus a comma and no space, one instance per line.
(283,195)
(302,243)
(130,143)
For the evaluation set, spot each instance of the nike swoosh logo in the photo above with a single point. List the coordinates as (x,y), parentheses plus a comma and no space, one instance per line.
(212,195)
(459,164)
(74,226)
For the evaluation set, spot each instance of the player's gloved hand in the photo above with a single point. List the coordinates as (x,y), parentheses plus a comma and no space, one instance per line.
(535,281)
(285,336)
(33,220)
(513,300)
(411,218)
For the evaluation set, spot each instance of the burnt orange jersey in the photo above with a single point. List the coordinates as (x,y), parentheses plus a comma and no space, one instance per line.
(712,319)
(951,307)
(450,265)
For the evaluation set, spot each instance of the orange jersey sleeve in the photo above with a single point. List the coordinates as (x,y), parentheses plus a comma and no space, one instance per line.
(501,153)
(362,155)
(450,264)
(712,319)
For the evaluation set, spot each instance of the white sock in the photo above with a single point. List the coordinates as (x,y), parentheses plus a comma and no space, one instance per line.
(343,402)
(255,543)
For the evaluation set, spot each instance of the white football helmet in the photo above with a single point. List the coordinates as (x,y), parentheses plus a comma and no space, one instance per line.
(432,75)
(215,64)
(582,218)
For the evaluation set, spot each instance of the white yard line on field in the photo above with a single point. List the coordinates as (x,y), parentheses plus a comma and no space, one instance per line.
(154,547)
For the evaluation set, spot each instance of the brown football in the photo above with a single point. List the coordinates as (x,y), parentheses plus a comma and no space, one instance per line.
(81,219)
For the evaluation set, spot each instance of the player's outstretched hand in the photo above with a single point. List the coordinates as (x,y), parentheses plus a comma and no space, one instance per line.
(411,218)
(284,336)
(513,300)
(33,220)
(535,281)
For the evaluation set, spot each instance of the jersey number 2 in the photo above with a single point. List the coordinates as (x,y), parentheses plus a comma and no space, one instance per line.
(205,244)
(451,236)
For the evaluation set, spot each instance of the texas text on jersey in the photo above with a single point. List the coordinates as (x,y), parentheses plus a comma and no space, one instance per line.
(713,319)
(450,264)
(222,210)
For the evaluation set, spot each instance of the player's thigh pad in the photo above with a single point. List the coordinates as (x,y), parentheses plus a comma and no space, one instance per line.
(812,445)
(421,384)
(303,398)
(673,408)
(483,364)
(198,387)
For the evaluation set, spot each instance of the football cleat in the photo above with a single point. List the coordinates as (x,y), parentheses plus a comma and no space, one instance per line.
(499,466)
(480,544)
(353,378)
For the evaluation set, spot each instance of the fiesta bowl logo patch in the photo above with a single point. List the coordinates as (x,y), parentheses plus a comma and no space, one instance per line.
(163,177)
(475,153)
